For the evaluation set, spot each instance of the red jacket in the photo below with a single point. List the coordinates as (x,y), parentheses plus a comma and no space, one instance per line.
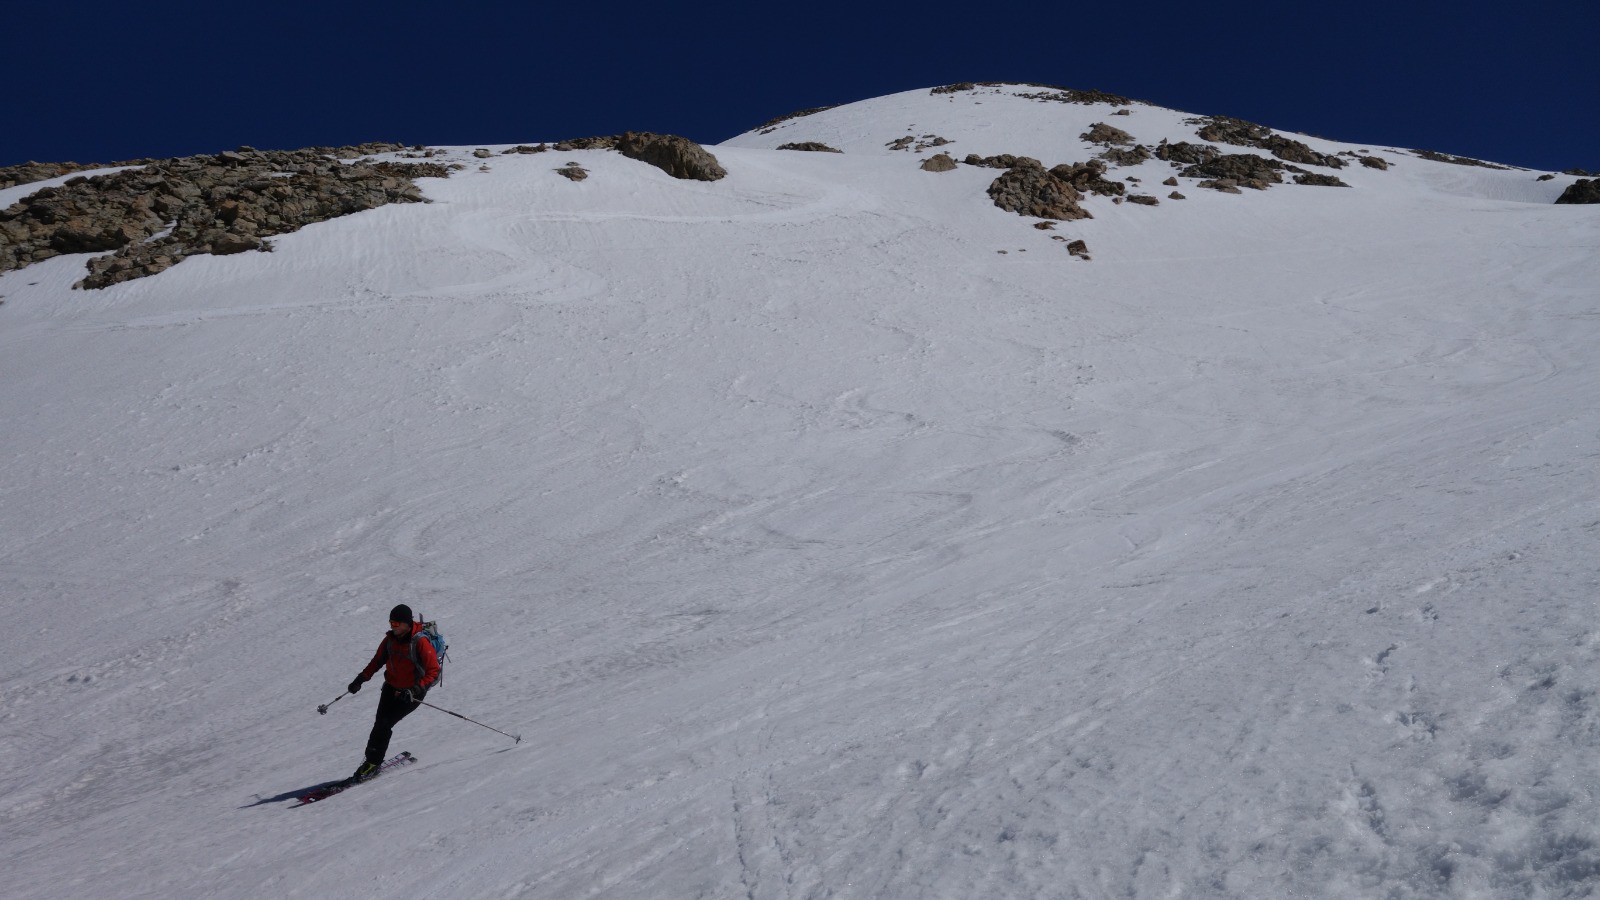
(394,656)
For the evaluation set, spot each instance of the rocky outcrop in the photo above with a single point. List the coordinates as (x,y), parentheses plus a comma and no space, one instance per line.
(1081,98)
(151,218)
(809,147)
(1240,133)
(1318,179)
(1186,153)
(1029,190)
(1231,171)
(1003,161)
(600,142)
(939,162)
(1126,156)
(1584,190)
(573,172)
(1101,133)
(1375,162)
(1090,178)
(31,172)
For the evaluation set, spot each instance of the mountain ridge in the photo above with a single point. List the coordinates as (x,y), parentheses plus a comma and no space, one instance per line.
(216,205)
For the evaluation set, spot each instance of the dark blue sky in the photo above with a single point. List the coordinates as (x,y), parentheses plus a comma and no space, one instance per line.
(101,81)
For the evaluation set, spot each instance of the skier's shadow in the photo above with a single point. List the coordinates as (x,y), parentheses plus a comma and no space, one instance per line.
(295,794)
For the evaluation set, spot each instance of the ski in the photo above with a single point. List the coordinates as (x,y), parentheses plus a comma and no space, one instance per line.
(324,793)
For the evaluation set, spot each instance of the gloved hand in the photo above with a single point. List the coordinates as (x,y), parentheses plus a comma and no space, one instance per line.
(354,686)
(414,694)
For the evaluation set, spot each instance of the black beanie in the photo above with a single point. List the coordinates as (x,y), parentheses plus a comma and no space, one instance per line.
(401,613)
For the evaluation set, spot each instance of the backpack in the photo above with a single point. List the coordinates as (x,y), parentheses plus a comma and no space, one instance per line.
(430,631)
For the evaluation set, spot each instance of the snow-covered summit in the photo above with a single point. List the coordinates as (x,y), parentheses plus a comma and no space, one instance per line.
(824,530)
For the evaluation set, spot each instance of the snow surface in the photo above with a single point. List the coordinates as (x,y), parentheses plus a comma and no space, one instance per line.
(816,547)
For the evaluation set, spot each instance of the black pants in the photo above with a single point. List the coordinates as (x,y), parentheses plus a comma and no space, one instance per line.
(391,709)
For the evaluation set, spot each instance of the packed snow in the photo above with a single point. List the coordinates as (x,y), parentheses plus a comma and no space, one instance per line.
(825,532)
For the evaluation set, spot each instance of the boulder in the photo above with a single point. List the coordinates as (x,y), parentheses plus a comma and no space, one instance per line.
(677,156)
(1584,190)
(230,242)
(939,162)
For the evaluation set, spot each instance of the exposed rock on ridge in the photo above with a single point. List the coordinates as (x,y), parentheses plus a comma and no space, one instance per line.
(30,172)
(153,217)
(1240,133)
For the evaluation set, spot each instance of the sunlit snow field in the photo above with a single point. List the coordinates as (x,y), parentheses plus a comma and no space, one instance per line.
(825,532)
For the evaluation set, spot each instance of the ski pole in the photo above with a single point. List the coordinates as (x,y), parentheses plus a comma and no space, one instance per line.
(516,737)
(323,709)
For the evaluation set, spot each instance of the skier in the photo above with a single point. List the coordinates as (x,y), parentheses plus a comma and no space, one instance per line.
(410,666)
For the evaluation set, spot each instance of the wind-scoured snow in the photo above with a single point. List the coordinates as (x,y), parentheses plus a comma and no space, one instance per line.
(815,546)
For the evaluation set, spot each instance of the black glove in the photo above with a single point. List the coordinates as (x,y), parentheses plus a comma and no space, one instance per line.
(414,695)
(354,686)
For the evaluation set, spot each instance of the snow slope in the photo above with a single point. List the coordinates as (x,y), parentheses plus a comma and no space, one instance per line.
(816,546)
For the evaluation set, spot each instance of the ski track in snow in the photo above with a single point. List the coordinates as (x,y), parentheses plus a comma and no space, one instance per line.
(815,548)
